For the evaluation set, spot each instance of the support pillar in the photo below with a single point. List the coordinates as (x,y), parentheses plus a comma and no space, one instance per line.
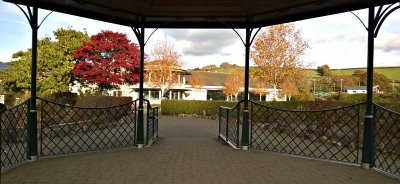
(245,128)
(32,116)
(170,94)
(140,126)
(149,94)
(368,150)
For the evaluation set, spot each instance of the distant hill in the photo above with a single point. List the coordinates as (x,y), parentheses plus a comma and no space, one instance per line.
(3,66)
(390,72)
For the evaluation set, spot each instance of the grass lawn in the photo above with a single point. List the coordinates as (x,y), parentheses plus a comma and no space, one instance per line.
(390,72)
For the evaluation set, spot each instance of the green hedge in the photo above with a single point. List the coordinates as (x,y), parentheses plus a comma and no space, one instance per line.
(211,108)
(88,101)
(198,107)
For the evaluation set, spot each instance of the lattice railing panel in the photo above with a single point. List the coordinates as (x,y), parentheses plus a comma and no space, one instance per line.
(327,134)
(152,123)
(387,124)
(223,113)
(13,123)
(229,124)
(68,129)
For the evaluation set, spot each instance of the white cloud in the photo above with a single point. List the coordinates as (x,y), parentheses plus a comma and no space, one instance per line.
(5,55)
(203,42)
(388,43)
(338,40)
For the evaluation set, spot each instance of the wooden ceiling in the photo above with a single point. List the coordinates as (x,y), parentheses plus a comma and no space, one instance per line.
(200,13)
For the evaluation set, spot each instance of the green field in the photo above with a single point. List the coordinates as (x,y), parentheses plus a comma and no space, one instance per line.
(390,72)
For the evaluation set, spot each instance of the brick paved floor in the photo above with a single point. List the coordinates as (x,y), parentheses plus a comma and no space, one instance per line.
(188,152)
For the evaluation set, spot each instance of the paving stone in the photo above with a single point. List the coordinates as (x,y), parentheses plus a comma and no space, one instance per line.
(188,151)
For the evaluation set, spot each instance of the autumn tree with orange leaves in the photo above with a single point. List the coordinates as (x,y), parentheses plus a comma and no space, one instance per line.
(196,81)
(164,68)
(277,54)
(259,88)
(233,84)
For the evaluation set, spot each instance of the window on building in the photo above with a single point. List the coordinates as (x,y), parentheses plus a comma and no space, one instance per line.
(154,95)
(117,93)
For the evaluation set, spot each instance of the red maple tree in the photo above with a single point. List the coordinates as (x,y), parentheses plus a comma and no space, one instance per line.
(107,60)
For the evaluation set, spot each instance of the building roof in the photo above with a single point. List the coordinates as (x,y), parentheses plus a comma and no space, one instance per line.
(357,88)
(200,13)
(212,78)
(351,88)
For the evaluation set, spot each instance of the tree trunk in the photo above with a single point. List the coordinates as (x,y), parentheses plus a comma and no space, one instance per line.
(162,92)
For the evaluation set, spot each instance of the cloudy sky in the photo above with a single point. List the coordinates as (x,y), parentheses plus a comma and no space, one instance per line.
(338,40)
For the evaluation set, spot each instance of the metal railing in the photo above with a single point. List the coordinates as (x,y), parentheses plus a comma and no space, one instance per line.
(152,123)
(229,124)
(331,134)
(69,129)
(13,123)
(387,140)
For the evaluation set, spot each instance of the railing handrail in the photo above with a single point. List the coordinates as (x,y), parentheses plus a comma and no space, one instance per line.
(231,108)
(148,102)
(16,106)
(387,109)
(72,106)
(294,110)
(321,110)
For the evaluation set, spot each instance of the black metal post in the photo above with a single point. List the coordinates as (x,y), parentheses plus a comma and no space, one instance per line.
(237,125)
(368,150)
(227,126)
(147,124)
(245,130)
(219,121)
(140,127)
(32,120)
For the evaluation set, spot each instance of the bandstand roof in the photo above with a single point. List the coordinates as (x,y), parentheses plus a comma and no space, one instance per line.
(200,13)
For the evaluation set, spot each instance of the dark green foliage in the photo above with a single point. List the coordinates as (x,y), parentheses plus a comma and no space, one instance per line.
(63,98)
(54,62)
(379,79)
(211,108)
(65,111)
(323,70)
(88,101)
(10,100)
(349,98)
(197,107)
(101,101)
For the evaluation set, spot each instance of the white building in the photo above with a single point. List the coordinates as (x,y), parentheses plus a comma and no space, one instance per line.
(361,89)
(212,90)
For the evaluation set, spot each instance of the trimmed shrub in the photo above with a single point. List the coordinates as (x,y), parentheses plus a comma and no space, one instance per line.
(101,101)
(196,107)
(211,108)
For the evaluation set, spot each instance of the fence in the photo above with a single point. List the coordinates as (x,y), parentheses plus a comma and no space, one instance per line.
(327,134)
(387,140)
(229,124)
(13,123)
(69,129)
(152,123)
(64,129)
(332,134)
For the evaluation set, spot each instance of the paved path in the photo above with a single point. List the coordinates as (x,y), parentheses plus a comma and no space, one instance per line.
(188,152)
